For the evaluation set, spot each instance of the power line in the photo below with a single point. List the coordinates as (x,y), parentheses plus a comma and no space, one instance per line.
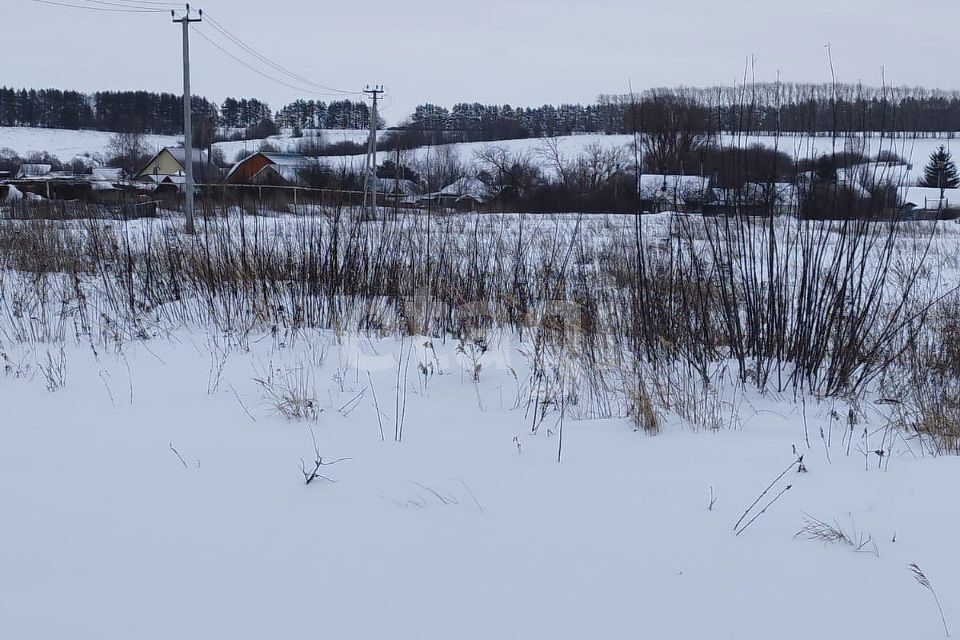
(140,6)
(125,6)
(157,3)
(259,72)
(254,69)
(106,9)
(262,58)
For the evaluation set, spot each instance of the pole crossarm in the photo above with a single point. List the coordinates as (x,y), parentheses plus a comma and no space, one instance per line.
(186,16)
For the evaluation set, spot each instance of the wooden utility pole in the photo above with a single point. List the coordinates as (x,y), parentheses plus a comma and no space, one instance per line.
(185,21)
(370,182)
(396,185)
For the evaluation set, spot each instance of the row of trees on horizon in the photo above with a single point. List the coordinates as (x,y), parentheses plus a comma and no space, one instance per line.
(781,107)
(162,113)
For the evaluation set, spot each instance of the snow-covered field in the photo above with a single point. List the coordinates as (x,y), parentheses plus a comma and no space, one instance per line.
(285,144)
(460,531)
(68,144)
(916,151)
(151,488)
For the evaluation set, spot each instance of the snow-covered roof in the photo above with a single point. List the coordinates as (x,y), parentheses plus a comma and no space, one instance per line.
(288,159)
(180,154)
(107,173)
(278,159)
(161,179)
(470,187)
(870,174)
(31,170)
(288,173)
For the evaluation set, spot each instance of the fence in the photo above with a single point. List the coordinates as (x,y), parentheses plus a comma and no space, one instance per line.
(269,198)
(26,209)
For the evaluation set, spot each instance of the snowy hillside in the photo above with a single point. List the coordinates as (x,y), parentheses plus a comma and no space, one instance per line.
(916,151)
(286,144)
(67,144)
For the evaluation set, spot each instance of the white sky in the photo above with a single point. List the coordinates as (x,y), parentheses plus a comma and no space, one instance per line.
(521,52)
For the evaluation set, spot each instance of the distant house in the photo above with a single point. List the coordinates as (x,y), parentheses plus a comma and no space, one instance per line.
(271,168)
(466,194)
(171,162)
(674,193)
(28,171)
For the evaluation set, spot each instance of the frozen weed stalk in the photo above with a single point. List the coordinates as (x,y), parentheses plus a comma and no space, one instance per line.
(924,582)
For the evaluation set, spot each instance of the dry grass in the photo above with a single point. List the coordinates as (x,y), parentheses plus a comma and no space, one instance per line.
(924,386)
(641,316)
(290,393)
(835,533)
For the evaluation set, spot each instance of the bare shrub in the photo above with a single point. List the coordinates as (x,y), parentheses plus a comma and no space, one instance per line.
(128,151)
(290,393)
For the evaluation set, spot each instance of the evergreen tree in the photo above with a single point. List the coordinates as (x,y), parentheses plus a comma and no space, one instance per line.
(941,172)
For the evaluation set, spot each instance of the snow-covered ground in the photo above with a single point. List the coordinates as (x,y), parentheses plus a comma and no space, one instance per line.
(150,489)
(467,529)
(66,144)
(285,144)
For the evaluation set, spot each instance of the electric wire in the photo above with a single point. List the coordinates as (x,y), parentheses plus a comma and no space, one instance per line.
(262,58)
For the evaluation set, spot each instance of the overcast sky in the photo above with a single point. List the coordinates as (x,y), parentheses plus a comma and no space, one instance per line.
(521,52)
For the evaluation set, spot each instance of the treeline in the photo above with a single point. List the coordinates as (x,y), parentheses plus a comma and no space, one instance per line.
(315,114)
(835,109)
(764,107)
(123,111)
(162,113)
(476,122)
